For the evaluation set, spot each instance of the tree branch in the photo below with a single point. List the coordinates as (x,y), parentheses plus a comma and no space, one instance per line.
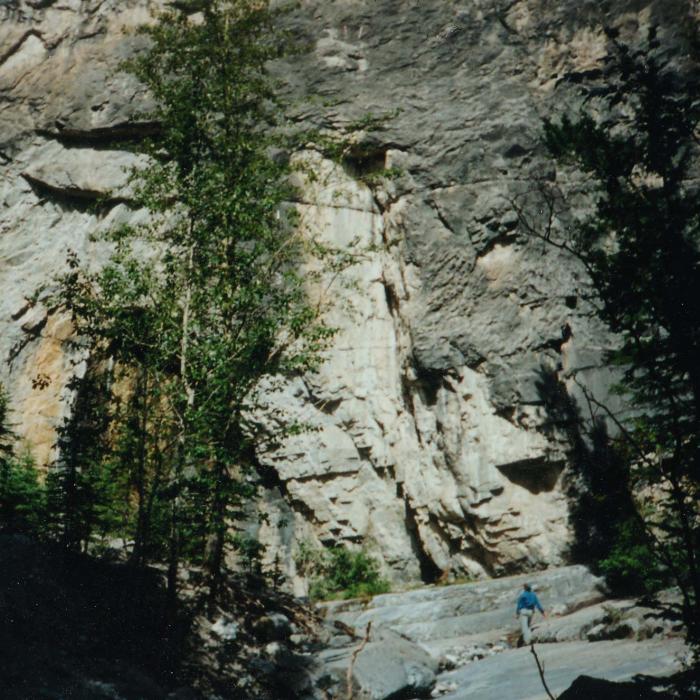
(540,670)
(353,659)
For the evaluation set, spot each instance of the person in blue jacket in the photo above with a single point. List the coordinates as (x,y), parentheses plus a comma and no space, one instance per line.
(525,609)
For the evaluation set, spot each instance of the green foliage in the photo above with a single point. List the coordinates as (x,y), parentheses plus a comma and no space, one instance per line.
(354,146)
(193,308)
(634,145)
(6,436)
(22,497)
(631,566)
(339,572)
(250,552)
(79,491)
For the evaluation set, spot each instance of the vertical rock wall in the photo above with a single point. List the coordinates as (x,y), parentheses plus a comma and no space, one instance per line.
(432,443)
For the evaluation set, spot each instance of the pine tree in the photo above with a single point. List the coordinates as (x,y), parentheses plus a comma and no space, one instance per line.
(22,498)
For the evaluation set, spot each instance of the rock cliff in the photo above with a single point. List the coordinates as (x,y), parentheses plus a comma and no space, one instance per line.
(433,444)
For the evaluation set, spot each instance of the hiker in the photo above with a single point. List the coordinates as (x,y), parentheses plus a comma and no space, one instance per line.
(527,602)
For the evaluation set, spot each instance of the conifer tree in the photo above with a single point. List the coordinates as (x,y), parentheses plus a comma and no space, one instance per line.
(635,143)
(22,498)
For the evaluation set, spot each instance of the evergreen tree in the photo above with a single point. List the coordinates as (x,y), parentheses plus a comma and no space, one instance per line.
(635,141)
(22,498)
(77,494)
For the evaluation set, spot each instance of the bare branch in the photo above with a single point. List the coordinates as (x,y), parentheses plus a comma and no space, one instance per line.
(591,400)
(540,670)
(353,659)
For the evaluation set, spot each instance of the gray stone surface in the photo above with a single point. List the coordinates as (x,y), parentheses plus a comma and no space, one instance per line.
(472,632)
(389,666)
(486,609)
(514,674)
(432,443)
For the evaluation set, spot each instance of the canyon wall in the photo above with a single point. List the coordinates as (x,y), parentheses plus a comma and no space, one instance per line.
(433,443)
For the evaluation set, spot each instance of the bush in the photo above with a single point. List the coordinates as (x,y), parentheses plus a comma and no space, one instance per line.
(631,567)
(338,572)
(22,497)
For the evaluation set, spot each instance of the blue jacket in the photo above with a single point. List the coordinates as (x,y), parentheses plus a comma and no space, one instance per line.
(529,600)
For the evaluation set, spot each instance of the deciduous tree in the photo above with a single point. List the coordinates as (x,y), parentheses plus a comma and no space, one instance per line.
(196,306)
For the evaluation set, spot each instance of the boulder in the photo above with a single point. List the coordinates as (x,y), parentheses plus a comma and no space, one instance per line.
(389,666)
(513,674)
(272,628)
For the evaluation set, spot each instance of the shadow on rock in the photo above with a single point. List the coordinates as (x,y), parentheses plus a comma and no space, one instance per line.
(587,688)
(597,485)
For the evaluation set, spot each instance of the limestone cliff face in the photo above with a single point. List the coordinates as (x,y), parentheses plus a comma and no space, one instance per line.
(433,442)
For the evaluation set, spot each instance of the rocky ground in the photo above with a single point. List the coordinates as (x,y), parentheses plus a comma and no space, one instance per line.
(79,629)
(460,641)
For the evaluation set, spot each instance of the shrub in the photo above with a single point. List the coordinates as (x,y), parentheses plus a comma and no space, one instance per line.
(22,497)
(22,501)
(339,572)
(632,567)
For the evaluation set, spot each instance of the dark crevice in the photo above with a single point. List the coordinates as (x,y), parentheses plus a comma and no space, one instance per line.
(430,572)
(578,77)
(327,406)
(103,137)
(365,160)
(502,14)
(556,343)
(428,383)
(28,336)
(441,217)
(389,471)
(74,199)
(324,478)
(535,475)
(407,396)
(100,31)
(364,452)
(17,45)
(21,311)
(505,238)
(392,299)
(270,480)
(330,542)
(507,413)
(515,151)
